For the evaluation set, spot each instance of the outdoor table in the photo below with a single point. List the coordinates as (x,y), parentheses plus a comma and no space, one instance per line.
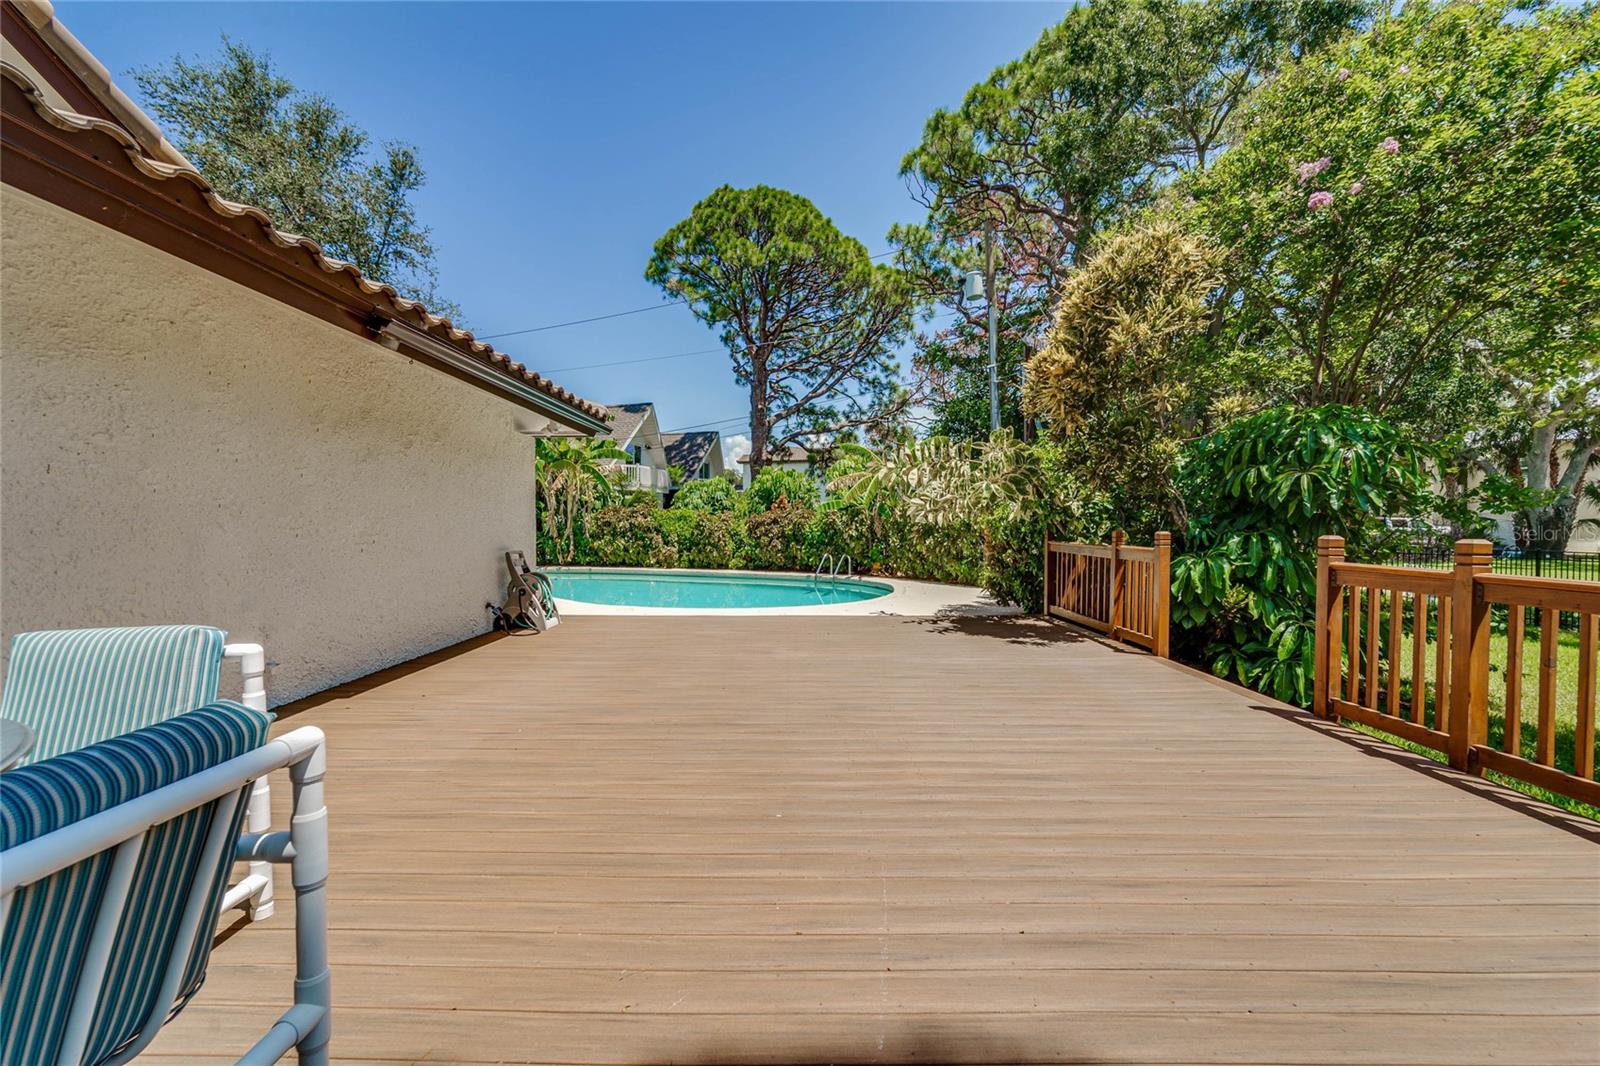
(16,740)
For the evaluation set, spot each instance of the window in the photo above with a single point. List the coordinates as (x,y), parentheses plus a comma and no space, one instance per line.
(705,471)
(638,453)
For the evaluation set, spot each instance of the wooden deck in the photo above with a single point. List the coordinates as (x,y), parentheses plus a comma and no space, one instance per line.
(854,840)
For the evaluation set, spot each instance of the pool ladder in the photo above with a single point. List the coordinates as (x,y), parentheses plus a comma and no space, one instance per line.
(844,562)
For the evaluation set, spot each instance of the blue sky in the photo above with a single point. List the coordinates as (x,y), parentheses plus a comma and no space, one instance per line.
(561,140)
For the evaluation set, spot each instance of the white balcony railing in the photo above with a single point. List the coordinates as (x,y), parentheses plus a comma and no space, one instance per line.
(638,476)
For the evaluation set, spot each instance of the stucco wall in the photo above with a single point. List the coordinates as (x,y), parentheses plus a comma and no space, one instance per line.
(176,447)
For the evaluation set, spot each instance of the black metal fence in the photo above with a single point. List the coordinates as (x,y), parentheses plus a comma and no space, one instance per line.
(1574,566)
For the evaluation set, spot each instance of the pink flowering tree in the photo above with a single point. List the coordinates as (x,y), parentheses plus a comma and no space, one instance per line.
(1408,212)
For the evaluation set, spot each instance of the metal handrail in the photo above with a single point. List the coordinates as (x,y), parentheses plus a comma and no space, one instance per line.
(847,564)
(822,562)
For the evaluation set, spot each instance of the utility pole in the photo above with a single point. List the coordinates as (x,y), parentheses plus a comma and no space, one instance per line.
(994,369)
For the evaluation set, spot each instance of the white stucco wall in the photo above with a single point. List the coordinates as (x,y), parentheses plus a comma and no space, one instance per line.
(177,448)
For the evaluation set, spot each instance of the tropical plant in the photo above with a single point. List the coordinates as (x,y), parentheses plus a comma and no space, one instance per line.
(699,538)
(1119,373)
(776,486)
(940,482)
(711,494)
(809,320)
(1260,492)
(628,535)
(574,476)
(776,538)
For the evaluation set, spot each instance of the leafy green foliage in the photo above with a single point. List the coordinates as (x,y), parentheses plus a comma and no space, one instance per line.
(808,319)
(776,538)
(700,539)
(1391,196)
(574,477)
(716,495)
(1072,139)
(629,535)
(1261,492)
(1119,368)
(779,486)
(260,141)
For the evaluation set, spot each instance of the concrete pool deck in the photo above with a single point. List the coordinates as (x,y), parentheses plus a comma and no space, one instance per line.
(907,599)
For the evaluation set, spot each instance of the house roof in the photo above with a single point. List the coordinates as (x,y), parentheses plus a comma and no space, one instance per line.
(626,418)
(794,453)
(689,450)
(97,167)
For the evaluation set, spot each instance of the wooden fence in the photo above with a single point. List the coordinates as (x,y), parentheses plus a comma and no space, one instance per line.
(1117,589)
(1367,615)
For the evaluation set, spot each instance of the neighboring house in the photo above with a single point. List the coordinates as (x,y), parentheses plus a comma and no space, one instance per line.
(208,420)
(697,454)
(812,463)
(635,429)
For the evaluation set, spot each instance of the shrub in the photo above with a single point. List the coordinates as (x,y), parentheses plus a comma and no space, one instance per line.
(1013,543)
(627,535)
(716,495)
(777,483)
(777,538)
(840,531)
(1260,492)
(700,539)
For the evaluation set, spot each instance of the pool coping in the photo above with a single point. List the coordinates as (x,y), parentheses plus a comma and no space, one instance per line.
(906,598)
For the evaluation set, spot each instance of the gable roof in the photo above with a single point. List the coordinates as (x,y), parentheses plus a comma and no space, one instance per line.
(689,450)
(95,166)
(626,418)
(794,453)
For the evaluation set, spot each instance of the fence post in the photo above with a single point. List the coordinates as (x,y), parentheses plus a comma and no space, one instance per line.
(1163,591)
(1118,539)
(1048,584)
(1469,653)
(1330,552)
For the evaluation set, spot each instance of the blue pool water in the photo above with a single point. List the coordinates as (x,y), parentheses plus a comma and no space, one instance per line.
(669,588)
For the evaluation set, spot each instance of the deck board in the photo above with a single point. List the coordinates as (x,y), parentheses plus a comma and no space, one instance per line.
(790,840)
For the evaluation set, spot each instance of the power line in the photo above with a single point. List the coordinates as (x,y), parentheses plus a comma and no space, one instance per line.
(629,362)
(674,355)
(580,321)
(736,420)
(603,318)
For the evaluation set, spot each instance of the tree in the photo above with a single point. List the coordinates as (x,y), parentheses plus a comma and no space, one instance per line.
(1118,376)
(1082,132)
(260,141)
(1392,195)
(574,475)
(808,319)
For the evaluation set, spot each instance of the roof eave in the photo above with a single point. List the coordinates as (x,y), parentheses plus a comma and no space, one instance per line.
(409,340)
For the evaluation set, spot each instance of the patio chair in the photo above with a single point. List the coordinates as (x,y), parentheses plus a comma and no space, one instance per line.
(75,687)
(112,861)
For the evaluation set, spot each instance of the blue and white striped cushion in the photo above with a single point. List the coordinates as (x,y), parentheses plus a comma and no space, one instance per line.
(75,687)
(47,927)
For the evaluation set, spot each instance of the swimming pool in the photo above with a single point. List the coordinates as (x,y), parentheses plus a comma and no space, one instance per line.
(689,589)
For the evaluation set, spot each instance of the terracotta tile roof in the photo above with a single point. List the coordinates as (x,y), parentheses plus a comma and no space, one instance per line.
(689,450)
(385,298)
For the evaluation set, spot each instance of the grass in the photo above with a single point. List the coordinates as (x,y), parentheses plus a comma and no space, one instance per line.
(1566,707)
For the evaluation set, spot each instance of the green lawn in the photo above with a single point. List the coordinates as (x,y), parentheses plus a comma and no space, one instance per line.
(1566,707)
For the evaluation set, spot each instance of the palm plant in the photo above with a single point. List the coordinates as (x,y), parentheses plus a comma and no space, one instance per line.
(573,474)
(942,482)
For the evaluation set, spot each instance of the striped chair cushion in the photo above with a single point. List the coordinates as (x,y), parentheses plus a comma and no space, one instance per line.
(76,687)
(48,923)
